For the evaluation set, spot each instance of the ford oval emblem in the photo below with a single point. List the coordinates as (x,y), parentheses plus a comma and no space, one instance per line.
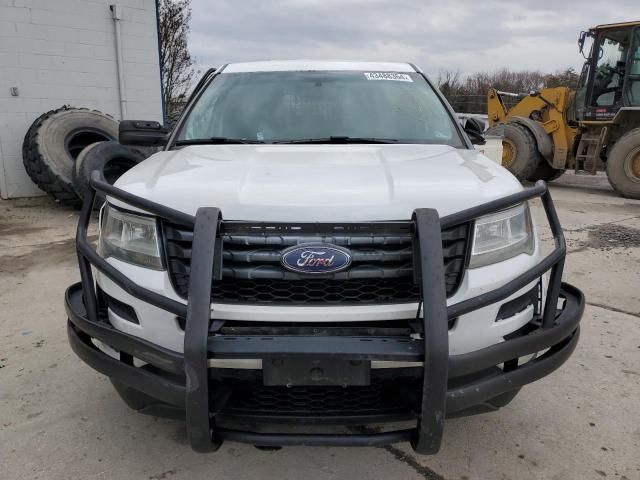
(316,258)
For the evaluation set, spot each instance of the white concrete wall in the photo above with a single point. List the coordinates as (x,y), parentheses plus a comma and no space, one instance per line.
(63,52)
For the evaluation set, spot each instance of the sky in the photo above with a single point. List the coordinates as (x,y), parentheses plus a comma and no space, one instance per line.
(456,35)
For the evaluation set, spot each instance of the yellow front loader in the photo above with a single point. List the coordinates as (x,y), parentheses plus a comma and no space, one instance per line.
(593,128)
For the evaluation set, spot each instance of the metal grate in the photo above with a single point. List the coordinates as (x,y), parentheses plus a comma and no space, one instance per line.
(249,269)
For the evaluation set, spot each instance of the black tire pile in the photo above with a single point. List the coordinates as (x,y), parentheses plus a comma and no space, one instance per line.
(63,146)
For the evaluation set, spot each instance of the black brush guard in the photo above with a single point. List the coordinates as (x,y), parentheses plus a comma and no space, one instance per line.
(188,384)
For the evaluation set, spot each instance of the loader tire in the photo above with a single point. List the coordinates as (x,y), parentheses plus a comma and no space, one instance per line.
(519,149)
(110,158)
(623,165)
(54,141)
(545,172)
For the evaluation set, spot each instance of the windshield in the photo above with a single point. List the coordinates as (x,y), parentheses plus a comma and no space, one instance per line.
(297,106)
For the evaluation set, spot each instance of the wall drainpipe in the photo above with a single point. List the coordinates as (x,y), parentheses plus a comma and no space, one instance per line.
(116,13)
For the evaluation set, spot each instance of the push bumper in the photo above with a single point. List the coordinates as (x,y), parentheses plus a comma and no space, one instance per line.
(472,381)
(448,385)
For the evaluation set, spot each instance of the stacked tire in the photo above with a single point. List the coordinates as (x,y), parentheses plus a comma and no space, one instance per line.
(63,146)
(110,158)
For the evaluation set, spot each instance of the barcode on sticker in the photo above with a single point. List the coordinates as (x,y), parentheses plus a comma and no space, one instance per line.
(397,77)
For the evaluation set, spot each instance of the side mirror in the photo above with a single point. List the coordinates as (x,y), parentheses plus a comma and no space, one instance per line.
(581,39)
(142,133)
(474,128)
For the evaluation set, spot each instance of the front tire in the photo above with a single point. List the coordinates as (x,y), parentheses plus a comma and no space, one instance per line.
(623,165)
(519,150)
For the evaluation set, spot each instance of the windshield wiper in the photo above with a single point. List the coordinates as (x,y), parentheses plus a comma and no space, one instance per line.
(331,139)
(216,141)
(338,139)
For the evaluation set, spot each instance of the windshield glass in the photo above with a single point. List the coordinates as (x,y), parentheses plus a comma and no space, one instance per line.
(296,106)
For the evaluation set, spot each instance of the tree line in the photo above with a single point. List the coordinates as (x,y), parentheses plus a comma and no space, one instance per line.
(468,94)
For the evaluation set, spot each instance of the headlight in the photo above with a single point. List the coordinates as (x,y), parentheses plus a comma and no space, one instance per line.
(502,235)
(130,238)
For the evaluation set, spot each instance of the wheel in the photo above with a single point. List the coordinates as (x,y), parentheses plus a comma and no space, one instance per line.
(519,149)
(623,165)
(111,158)
(54,141)
(545,172)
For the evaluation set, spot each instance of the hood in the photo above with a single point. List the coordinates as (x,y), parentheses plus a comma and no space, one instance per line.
(319,183)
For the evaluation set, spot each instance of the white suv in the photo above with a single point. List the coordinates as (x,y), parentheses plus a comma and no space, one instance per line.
(318,242)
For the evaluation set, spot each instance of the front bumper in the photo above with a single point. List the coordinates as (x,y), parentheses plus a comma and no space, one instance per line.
(445,385)
(472,380)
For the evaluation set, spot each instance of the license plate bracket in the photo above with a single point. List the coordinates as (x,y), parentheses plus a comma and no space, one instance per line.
(295,371)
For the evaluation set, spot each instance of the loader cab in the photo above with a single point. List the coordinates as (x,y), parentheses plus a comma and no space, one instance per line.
(610,77)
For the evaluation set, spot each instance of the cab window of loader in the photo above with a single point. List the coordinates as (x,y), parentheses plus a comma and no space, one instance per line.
(611,51)
(633,71)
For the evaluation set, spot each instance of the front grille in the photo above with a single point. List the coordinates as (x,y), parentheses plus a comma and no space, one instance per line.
(318,290)
(249,270)
(381,397)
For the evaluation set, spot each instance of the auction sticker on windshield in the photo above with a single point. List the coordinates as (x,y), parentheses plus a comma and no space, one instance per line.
(398,77)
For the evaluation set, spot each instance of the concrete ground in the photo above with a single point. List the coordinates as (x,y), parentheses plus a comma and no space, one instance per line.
(59,419)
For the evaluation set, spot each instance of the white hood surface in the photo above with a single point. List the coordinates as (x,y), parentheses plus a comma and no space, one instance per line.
(319,183)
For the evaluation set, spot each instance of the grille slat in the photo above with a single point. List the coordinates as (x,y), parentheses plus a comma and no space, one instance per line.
(277,272)
(263,255)
(343,241)
(381,272)
(178,234)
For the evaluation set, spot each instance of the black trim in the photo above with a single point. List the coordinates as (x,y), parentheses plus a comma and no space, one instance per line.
(517,305)
(160,357)
(200,87)
(155,299)
(539,189)
(430,272)
(350,348)
(341,420)
(472,380)
(490,387)
(121,309)
(200,427)
(467,373)
(566,323)
(153,385)
(148,206)
(447,106)
(317,440)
